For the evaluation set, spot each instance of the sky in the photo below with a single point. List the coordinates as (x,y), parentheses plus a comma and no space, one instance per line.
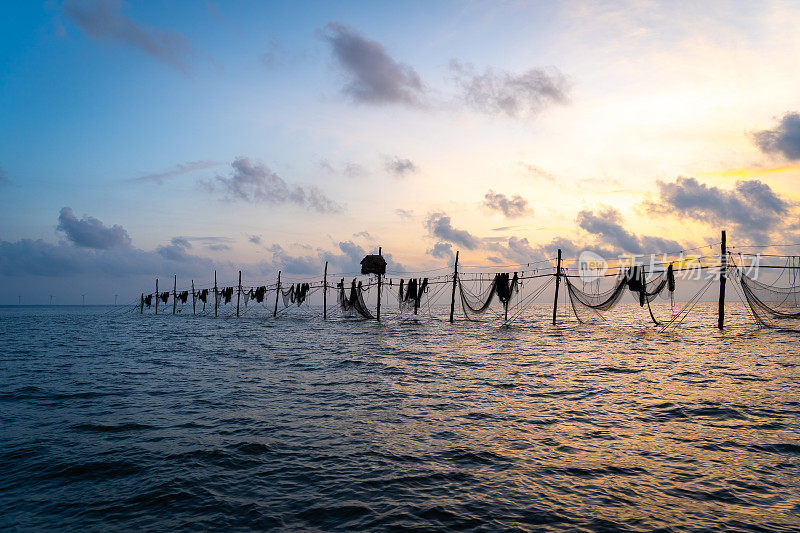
(144,139)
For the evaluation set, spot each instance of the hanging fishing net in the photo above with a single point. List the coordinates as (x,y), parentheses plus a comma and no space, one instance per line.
(475,304)
(353,304)
(772,306)
(409,295)
(201,299)
(589,303)
(297,294)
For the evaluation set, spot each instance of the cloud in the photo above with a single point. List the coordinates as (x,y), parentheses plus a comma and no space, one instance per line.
(752,206)
(289,264)
(28,257)
(405,214)
(180,169)
(345,261)
(537,172)
(186,242)
(400,167)
(182,242)
(607,224)
(350,168)
(255,239)
(102,20)
(513,250)
(176,250)
(352,254)
(277,56)
(364,234)
(522,251)
(326,165)
(513,207)
(439,225)
(374,76)
(68,270)
(442,250)
(507,228)
(784,139)
(89,232)
(255,183)
(353,170)
(514,95)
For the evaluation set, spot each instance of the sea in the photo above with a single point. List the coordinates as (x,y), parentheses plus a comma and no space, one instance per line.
(115,420)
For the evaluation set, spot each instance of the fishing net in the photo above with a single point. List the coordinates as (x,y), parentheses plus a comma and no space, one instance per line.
(353,304)
(589,303)
(476,304)
(224,304)
(409,295)
(772,306)
(201,299)
(297,294)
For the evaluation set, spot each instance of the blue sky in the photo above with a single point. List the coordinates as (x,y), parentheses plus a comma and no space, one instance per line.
(272,135)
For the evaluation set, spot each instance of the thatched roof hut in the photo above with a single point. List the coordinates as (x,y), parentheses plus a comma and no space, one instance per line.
(373,264)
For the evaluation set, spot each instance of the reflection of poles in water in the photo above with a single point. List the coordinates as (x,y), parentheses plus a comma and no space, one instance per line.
(156,295)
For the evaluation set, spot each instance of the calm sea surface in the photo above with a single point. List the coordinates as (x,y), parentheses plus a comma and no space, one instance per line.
(114,420)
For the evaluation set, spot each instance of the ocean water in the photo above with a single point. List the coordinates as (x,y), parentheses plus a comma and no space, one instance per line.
(112,420)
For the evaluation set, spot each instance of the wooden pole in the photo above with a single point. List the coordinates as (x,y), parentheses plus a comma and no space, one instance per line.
(558,282)
(325,293)
(239,294)
(194,301)
(277,293)
(723,270)
(157,296)
(379,289)
(141,305)
(453,295)
(216,300)
(175,294)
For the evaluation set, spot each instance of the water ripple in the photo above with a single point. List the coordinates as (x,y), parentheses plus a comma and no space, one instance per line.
(142,422)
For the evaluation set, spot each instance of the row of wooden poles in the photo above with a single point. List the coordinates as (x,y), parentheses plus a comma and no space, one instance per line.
(238,295)
(558,274)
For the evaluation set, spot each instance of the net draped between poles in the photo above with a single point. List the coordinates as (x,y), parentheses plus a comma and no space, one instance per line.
(352,304)
(772,306)
(590,306)
(503,286)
